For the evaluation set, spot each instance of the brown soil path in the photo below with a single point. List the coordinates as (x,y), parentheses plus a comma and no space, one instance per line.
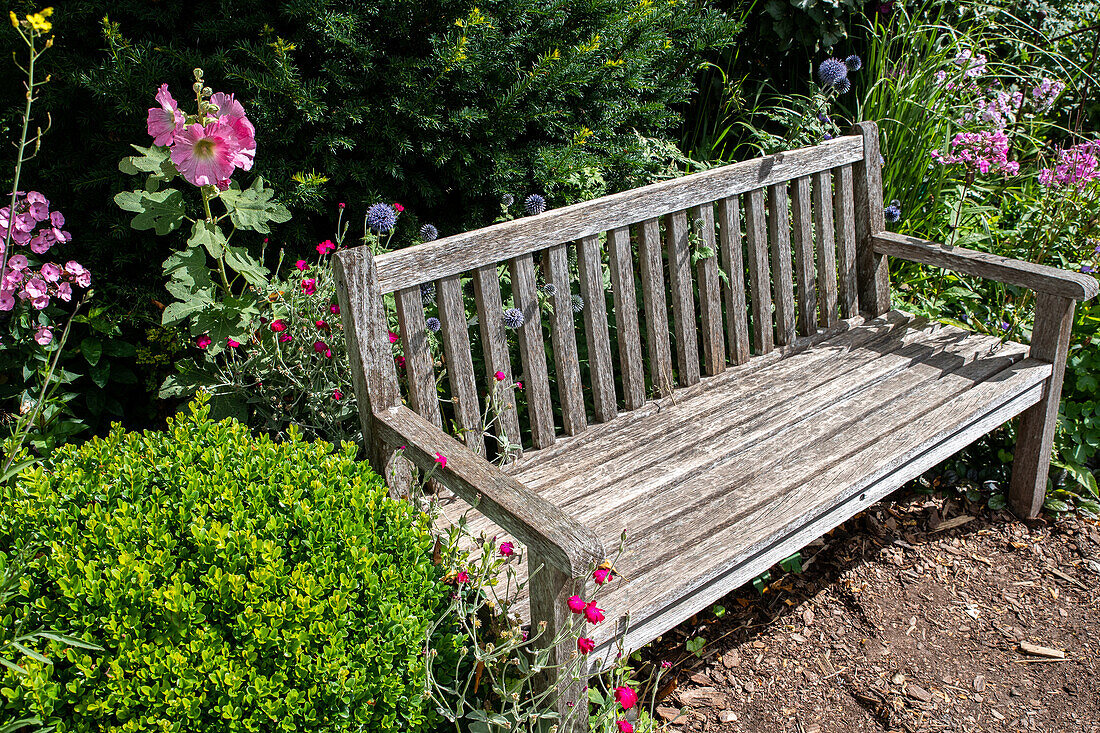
(915,616)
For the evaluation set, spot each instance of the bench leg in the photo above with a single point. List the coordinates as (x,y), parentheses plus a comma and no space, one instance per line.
(550,590)
(1049,342)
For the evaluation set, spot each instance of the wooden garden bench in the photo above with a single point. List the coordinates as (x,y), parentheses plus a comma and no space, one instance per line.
(786,396)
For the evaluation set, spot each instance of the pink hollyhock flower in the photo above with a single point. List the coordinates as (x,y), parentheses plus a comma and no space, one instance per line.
(43,336)
(337,395)
(441,459)
(320,346)
(7,301)
(284,337)
(65,292)
(205,156)
(301,265)
(462,577)
(576,604)
(398,207)
(334,309)
(585,645)
(393,337)
(507,549)
(499,376)
(203,341)
(51,272)
(309,287)
(626,697)
(231,114)
(602,575)
(325,247)
(165,121)
(278,326)
(231,343)
(593,614)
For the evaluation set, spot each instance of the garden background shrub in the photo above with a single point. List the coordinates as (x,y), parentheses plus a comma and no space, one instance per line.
(236,584)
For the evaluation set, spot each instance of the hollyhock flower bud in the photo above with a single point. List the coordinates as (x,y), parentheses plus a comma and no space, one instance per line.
(626,697)
(507,549)
(585,645)
(593,614)
(576,604)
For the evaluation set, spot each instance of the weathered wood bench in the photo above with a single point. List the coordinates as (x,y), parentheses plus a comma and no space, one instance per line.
(784,403)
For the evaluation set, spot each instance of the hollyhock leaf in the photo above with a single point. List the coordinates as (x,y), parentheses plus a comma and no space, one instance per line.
(160,210)
(210,236)
(182,309)
(253,207)
(188,268)
(154,160)
(92,349)
(250,269)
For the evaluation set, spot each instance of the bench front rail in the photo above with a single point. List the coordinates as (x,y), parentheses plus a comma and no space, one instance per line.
(721,411)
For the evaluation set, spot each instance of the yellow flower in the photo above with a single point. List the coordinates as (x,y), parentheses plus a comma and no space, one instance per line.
(14,19)
(38,20)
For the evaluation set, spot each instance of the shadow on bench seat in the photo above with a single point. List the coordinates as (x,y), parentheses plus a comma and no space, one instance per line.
(751,465)
(735,385)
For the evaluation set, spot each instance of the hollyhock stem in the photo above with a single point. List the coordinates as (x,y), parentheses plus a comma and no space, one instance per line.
(22,147)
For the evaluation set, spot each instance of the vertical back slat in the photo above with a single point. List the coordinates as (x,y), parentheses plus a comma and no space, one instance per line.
(710,298)
(737,321)
(494,342)
(460,363)
(564,338)
(423,397)
(628,334)
(683,297)
(759,274)
(600,366)
(872,268)
(532,351)
(804,257)
(779,238)
(656,308)
(826,248)
(844,208)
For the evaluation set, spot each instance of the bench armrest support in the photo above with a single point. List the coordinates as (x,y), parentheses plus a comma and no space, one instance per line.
(1040,278)
(546,529)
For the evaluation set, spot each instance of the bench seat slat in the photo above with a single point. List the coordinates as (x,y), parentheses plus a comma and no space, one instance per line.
(627,331)
(532,352)
(733,265)
(597,337)
(494,345)
(423,397)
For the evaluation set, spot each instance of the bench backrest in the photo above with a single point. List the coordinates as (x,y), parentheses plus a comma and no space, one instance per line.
(791,233)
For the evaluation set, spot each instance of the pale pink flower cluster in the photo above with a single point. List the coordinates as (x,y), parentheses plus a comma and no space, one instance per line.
(972,65)
(32,225)
(985,152)
(1045,93)
(1077,166)
(207,151)
(997,110)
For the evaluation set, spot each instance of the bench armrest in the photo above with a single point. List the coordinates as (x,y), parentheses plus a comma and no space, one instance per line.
(1040,278)
(554,535)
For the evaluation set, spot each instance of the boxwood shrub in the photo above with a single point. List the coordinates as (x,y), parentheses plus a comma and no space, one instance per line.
(235,583)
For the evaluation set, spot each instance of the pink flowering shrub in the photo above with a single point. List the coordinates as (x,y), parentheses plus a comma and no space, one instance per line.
(980,152)
(1075,166)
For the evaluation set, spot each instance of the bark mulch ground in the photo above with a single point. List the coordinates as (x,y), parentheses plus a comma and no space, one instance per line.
(922,614)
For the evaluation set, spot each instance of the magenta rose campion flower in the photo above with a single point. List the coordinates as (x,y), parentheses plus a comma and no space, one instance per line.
(165,121)
(576,604)
(626,697)
(592,613)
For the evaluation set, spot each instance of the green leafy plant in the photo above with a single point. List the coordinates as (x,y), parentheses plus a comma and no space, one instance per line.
(235,583)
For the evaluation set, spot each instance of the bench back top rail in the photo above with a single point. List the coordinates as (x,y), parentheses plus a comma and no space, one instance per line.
(640,293)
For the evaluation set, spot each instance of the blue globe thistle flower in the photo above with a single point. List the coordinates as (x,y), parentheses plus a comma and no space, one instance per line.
(534,204)
(854,63)
(823,118)
(549,288)
(507,200)
(843,86)
(428,233)
(433,324)
(381,218)
(513,318)
(831,72)
(893,213)
(1087,269)
(427,293)
(577,302)
(826,136)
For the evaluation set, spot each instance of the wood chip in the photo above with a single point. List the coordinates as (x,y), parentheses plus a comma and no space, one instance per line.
(918,693)
(731,659)
(727,716)
(979,683)
(703,697)
(953,523)
(671,715)
(1041,651)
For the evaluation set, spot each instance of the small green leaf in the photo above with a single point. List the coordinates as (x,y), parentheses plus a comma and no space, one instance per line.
(100,373)
(695,644)
(92,348)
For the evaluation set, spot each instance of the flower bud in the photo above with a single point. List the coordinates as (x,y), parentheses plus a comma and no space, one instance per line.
(197,86)
(198,74)
(207,91)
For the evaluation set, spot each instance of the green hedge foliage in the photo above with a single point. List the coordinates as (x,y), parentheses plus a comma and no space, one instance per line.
(236,584)
(442,106)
